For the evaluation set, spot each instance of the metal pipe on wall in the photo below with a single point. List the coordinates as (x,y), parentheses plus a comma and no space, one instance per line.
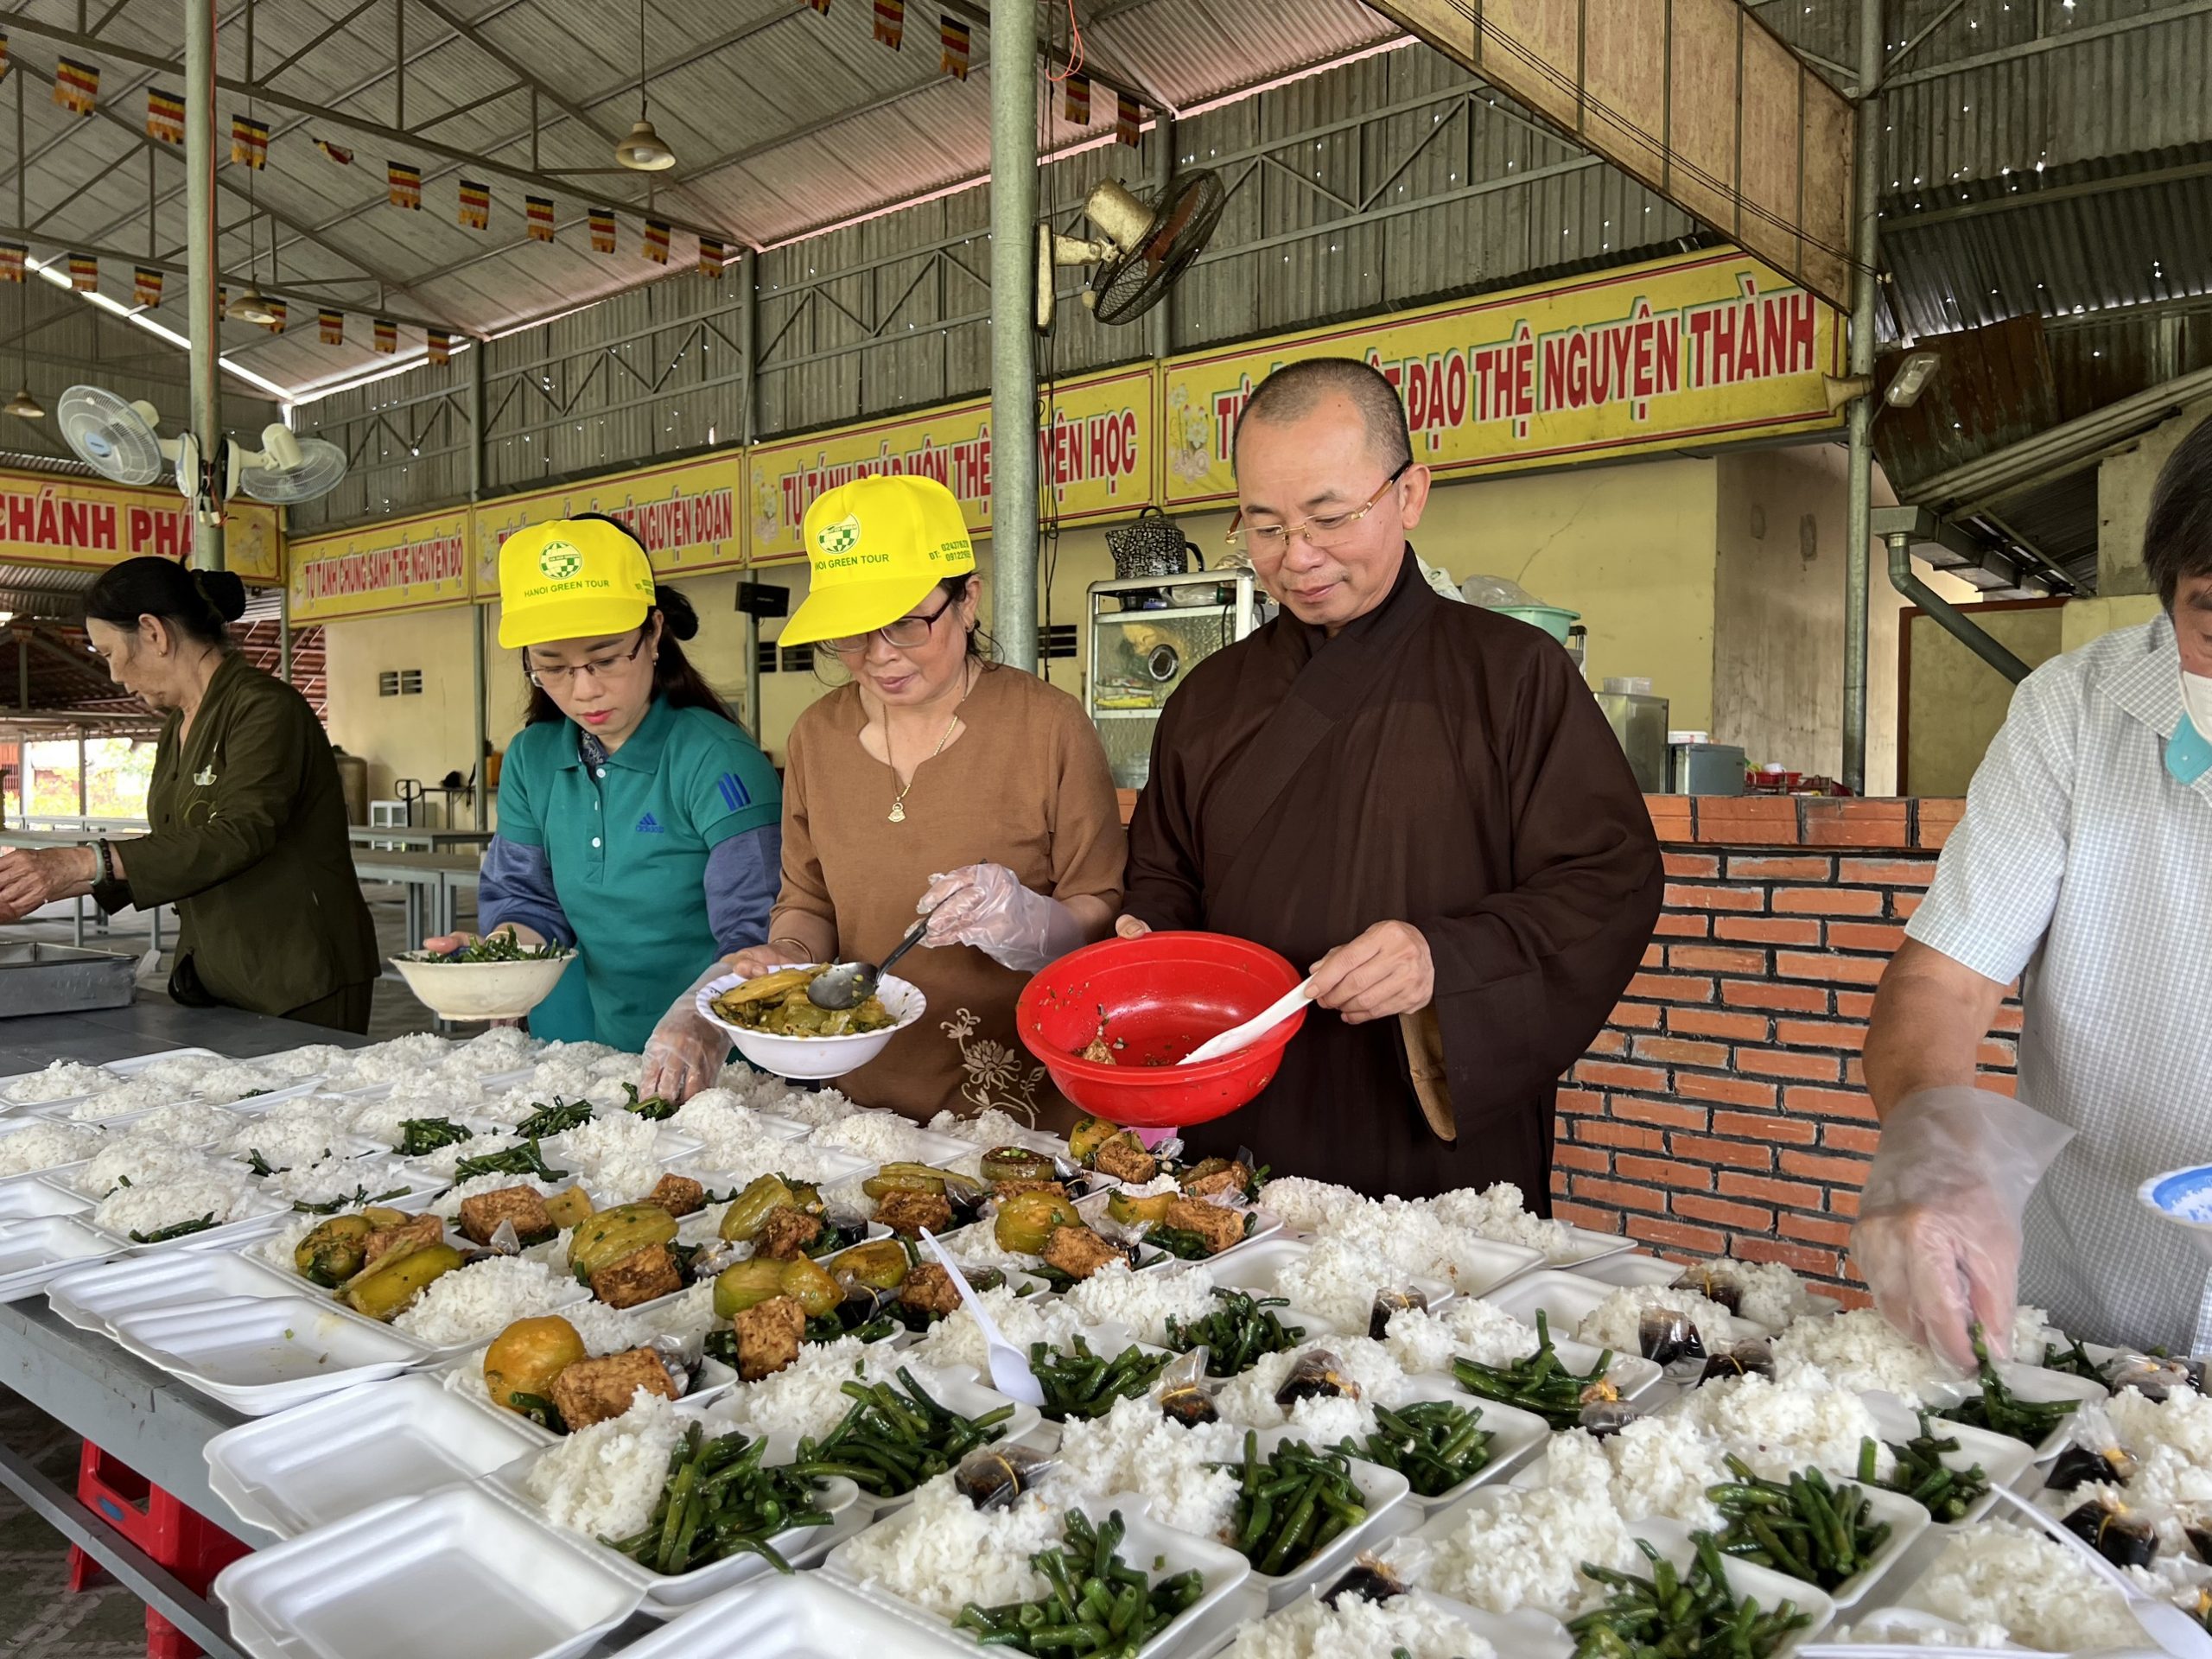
(1954,621)
(1014,351)
(1858,531)
(748,345)
(284,632)
(1163,175)
(202,254)
(481,770)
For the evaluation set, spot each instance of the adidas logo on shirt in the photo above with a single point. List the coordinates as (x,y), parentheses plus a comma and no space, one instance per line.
(650,825)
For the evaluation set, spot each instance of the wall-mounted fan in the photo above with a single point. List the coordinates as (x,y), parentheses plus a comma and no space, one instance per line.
(1147,246)
(122,441)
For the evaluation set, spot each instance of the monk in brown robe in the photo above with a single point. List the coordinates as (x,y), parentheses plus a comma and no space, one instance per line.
(1415,796)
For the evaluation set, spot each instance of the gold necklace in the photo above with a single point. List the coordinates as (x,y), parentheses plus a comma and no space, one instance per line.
(899,806)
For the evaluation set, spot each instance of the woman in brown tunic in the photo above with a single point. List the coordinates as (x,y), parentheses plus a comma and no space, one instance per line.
(935,772)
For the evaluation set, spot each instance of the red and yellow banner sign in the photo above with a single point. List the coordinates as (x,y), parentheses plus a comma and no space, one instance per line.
(405,564)
(685,514)
(1706,348)
(1094,455)
(78,523)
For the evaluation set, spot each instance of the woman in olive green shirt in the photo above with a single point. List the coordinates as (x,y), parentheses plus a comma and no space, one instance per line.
(248,819)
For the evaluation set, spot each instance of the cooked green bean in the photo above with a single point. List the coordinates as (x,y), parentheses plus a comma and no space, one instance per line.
(2073,1359)
(524,1159)
(1238,1334)
(557,1119)
(1999,1410)
(1921,1475)
(1291,1504)
(1081,1385)
(1540,1383)
(654,1109)
(890,1441)
(1677,1615)
(178,1230)
(1434,1444)
(355,1199)
(1185,1245)
(719,1500)
(420,1136)
(1098,1607)
(1803,1526)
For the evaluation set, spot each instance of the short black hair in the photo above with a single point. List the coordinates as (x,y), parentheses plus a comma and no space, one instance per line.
(1294,390)
(2177,532)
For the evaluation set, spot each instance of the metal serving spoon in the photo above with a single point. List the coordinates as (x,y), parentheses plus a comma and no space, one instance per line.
(851,983)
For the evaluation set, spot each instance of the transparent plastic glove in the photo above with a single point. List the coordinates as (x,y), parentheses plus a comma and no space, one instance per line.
(1938,1235)
(987,907)
(686,1051)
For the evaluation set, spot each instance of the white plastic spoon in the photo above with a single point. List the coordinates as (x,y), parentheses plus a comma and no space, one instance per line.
(1010,1372)
(1252,1030)
(2171,1628)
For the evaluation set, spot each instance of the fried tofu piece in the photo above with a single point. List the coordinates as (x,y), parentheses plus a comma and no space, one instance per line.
(410,1234)
(930,1288)
(1218,1226)
(768,1337)
(908,1212)
(1004,1190)
(786,1232)
(480,1215)
(638,1277)
(677,1194)
(1232,1178)
(1079,1252)
(590,1391)
(1125,1159)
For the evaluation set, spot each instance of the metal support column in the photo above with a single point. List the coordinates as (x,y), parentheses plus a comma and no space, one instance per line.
(482,772)
(202,255)
(84,776)
(748,345)
(1858,534)
(1954,622)
(284,632)
(1163,175)
(1013,313)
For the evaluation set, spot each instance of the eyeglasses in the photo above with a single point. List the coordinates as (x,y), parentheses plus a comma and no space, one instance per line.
(905,633)
(560,679)
(1323,530)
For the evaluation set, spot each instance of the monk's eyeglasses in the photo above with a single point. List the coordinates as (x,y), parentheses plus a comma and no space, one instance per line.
(1321,531)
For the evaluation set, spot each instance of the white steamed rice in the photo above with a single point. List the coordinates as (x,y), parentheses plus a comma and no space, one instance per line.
(1307,1205)
(1777,1427)
(47,1146)
(1861,1350)
(987,1128)
(2034,1588)
(1355,1629)
(805,1399)
(957,1339)
(207,1190)
(1499,1212)
(62,1080)
(309,1060)
(1248,1400)
(1336,1279)
(1134,1448)
(1144,1302)
(483,1299)
(1426,1343)
(946,1553)
(1615,1323)
(188,1122)
(603,1481)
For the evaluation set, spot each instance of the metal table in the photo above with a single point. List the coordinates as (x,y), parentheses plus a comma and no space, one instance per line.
(434,882)
(151,1422)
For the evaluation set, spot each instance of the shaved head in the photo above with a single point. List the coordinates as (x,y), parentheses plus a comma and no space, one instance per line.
(1296,390)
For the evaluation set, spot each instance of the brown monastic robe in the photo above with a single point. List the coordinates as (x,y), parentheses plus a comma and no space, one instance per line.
(1434,764)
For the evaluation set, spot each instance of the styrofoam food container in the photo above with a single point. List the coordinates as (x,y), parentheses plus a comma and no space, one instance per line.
(258,1355)
(1381,1490)
(460,1572)
(325,1460)
(1748,1580)
(59,1111)
(2004,1461)
(91,1299)
(33,1252)
(25,1198)
(1226,1574)
(25,1119)
(1567,1299)
(806,1616)
(1516,1437)
(481,990)
(668,1145)
(2036,1383)
(1255,1265)
(125,1069)
(814,1058)
(1266,1225)
(1637,1269)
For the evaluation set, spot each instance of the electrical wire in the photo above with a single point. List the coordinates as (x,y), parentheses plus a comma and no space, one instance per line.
(1075,56)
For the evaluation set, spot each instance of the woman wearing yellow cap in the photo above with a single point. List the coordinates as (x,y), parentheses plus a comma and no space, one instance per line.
(638,821)
(935,774)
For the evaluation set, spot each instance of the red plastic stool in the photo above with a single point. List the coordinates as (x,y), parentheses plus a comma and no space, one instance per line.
(191,1547)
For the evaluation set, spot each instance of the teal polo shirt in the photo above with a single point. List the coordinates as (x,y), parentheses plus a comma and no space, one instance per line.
(627,843)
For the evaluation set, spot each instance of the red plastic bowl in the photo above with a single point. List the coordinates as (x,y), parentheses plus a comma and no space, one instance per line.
(1161,996)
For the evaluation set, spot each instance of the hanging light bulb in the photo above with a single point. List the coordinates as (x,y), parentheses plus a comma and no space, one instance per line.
(642,151)
(250,305)
(24,405)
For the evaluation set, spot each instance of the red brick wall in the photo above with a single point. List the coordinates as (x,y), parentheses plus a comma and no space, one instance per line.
(1722,1110)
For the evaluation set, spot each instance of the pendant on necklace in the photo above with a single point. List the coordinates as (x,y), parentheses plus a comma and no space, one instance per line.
(898,811)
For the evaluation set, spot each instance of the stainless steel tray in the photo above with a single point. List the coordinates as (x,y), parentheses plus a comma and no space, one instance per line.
(41,978)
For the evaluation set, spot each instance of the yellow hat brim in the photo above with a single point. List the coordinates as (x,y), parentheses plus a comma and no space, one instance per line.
(854,608)
(589,617)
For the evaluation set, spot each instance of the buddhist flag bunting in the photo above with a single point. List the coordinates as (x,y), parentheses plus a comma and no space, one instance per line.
(222,299)
(333,326)
(891,21)
(5,64)
(276,323)
(822,6)
(11,261)
(603,231)
(385,335)
(441,345)
(714,254)
(1128,119)
(164,116)
(476,204)
(538,210)
(337,153)
(404,183)
(1075,108)
(83,273)
(146,285)
(249,142)
(76,85)
(657,241)
(952,47)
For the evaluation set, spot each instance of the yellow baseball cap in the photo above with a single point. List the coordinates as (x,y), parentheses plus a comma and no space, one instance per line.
(877,545)
(571,579)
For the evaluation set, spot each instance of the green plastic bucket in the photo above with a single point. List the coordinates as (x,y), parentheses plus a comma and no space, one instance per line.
(1551,619)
